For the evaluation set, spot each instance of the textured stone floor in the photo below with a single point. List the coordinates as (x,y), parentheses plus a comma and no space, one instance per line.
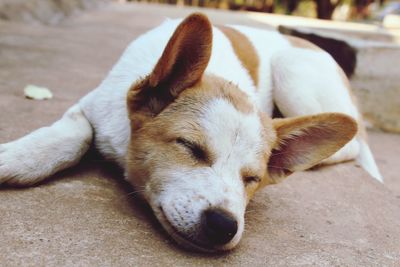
(86,216)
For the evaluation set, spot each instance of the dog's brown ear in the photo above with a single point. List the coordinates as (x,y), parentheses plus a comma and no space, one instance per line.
(305,141)
(180,66)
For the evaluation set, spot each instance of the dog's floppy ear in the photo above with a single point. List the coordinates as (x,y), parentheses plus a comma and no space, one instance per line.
(305,141)
(180,66)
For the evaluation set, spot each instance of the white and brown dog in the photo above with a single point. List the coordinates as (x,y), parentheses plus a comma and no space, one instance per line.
(186,112)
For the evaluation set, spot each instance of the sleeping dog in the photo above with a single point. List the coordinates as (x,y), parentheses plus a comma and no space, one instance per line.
(186,112)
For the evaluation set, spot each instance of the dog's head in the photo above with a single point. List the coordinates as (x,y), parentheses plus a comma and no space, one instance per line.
(200,149)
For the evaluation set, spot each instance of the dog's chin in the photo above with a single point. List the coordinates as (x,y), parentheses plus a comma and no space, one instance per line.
(187,242)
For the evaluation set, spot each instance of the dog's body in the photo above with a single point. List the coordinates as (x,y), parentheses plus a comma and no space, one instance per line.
(208,125)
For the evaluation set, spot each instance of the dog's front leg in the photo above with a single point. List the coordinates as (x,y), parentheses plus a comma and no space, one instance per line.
(40,154)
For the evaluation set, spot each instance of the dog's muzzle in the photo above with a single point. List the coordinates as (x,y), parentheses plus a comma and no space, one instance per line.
(215,229)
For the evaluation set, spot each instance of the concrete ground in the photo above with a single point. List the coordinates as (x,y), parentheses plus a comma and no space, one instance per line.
(87,216)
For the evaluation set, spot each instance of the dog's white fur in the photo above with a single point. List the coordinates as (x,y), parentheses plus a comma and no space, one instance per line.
(47,150)
(286,77)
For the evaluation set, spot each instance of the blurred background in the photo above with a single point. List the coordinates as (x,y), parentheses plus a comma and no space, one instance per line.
(354,10)
(370,11)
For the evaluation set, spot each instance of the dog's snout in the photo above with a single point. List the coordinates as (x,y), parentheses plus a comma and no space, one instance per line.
(219,226)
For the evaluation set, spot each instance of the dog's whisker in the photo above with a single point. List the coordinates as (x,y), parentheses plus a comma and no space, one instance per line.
(135,192)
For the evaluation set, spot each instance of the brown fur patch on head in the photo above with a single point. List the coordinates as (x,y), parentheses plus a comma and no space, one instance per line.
(215,87)
(301,43)
(244,50)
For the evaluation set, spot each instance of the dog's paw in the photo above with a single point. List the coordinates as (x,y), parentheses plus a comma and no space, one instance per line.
(17,166)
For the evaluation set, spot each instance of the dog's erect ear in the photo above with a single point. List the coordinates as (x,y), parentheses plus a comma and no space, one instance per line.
(305,141)
(181,65)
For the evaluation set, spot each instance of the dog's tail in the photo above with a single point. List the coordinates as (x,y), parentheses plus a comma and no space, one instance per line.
(367,161)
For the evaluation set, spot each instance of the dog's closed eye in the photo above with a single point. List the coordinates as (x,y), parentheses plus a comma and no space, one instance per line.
(196,150)
(251,179)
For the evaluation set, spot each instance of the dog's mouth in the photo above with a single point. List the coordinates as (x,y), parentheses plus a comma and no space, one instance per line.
(182,239)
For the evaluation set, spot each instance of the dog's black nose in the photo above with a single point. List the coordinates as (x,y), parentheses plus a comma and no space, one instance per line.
(219,226)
